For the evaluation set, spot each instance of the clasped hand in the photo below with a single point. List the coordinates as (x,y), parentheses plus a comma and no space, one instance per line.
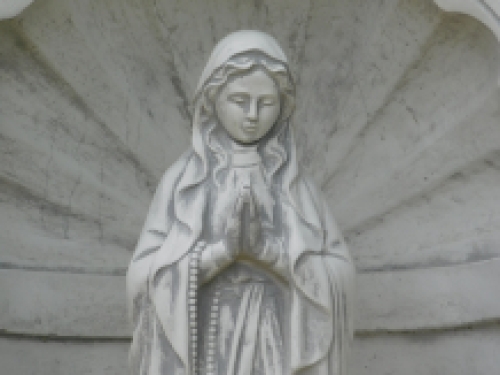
(244,234)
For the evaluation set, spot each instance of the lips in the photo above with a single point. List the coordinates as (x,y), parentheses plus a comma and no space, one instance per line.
(250,127)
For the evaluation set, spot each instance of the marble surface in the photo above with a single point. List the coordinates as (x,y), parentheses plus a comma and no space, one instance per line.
(402,136)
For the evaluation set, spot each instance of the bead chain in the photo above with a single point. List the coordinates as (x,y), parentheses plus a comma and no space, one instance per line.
(212,333)
(194,269)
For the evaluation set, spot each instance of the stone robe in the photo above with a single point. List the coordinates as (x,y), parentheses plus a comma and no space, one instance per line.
(309,325)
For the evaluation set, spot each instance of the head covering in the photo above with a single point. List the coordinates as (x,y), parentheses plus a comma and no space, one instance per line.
(191,191)
(319,283)
(236,43)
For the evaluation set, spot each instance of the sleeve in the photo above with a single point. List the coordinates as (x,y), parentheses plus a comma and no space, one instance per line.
(214,258)
(341,272)
(155,229)
(274,254)
(322,298)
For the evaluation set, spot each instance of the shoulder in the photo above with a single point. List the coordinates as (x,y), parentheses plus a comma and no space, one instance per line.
(175,170)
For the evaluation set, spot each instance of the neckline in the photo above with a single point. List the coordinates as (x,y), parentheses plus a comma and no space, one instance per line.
(245,156)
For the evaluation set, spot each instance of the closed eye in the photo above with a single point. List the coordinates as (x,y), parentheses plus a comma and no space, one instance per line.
(239,99)
(268,101)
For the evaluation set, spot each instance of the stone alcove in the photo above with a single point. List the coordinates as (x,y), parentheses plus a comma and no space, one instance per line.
(397,120)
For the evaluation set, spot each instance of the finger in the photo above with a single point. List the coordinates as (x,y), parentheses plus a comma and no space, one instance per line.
(234,216)
(252,208)
(233,223)
(238,206)
(253,233)
(246,195)
(255,224)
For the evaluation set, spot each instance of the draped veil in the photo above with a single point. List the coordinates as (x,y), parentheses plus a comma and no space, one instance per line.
(320,266)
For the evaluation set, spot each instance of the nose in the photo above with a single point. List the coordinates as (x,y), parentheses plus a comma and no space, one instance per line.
(253,110)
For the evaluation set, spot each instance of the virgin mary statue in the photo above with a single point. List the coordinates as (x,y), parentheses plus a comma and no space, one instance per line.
(240,268)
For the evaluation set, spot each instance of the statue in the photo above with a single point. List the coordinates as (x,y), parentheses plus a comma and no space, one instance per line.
(240,269)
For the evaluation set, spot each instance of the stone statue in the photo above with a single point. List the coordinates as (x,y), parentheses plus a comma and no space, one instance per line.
(240,269)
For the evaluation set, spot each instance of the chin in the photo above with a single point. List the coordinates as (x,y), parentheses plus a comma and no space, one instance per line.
(247,141)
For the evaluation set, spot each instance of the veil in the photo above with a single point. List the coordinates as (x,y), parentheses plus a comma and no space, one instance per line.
(320,267)
(190,192)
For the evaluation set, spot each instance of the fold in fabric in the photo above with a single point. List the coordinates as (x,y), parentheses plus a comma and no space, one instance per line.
(245,333)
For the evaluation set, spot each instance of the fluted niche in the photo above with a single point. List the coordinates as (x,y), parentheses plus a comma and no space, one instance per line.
(397,121)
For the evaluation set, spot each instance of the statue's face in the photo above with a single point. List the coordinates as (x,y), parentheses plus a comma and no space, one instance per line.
(248,106)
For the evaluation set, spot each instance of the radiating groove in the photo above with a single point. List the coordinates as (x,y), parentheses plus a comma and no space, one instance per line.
(72,95)
(97,271)
(334,110)
(163,37)
(13,189)
(492,324)
(75,168)
(185,110)
(378,165)
(402,81)
(41,193)
(124,80)
(302,52)
(423,266)
(152,13)
(421,195)
(21,336)
(30,198)
(403,165)
(464,250)
(126,93)
(457,222)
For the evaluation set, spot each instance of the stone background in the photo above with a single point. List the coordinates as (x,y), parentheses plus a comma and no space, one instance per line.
(398,121)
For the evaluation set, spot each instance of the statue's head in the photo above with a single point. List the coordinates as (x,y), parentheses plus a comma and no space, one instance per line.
(246,86)
(248,106)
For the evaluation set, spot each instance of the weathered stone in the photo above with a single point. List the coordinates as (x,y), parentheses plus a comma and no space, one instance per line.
(62,304)
(428,298)
(397,120)
(462,352)
(23,356)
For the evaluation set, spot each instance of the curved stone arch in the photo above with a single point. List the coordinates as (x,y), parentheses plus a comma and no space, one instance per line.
(11,8)
(486,11)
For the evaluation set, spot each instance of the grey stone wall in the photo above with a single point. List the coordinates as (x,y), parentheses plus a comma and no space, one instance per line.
(398,121)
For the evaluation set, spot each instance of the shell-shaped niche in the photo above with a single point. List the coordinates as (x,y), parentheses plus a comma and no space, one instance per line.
(397,121)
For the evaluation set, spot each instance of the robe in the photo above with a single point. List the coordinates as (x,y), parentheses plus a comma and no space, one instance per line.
(309,334)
